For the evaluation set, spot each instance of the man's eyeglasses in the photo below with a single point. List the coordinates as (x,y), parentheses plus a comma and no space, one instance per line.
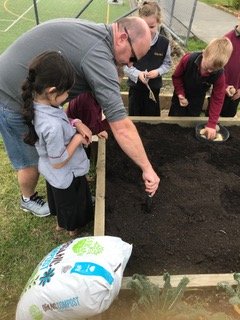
(134,58)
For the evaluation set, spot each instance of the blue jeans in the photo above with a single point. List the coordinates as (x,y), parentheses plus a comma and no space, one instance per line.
(13,130)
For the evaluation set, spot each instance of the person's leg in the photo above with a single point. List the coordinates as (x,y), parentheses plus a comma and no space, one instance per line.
(27,180)
(52,204)
(150,108)
(175,109)
(24,159)
(85,203)
(134,107)
(73,205)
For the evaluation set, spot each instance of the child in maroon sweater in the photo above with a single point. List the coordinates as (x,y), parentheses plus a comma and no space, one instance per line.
(193,77)
(86,108)
(232,75)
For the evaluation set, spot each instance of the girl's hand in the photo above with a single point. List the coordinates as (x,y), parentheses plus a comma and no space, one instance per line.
(79,139)
(142,77)
(152,74)
(84,131)
(182,100)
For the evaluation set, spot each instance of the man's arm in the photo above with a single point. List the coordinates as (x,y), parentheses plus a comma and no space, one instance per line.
(128,139)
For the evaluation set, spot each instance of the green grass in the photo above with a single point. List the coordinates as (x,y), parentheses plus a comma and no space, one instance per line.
(195,44)
(220,2)
(25,239)
(11,11)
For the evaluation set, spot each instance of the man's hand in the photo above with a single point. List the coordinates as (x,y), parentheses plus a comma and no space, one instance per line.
(84,131)
(182,100)
(151,181)
(126,135)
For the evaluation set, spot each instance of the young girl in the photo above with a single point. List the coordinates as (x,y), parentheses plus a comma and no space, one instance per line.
(62,159)
(193,77)
(150,68)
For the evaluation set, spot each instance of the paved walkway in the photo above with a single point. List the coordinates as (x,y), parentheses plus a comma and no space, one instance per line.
(209,22)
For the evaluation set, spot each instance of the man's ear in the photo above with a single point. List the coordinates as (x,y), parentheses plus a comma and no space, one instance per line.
(122,36)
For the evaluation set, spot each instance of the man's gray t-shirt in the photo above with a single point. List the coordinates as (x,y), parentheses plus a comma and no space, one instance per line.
(89,48)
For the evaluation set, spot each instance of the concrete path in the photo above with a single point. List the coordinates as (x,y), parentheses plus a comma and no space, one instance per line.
(209,22)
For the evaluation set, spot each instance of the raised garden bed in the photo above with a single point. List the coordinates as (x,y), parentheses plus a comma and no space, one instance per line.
(193,229)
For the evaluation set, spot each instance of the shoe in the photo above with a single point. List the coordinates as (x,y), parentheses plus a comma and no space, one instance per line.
(36,205)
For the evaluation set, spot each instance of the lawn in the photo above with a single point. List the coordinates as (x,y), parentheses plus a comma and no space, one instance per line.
(231,4)
(26,239)
(17,17)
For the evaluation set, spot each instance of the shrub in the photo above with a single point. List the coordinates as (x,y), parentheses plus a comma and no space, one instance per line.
(236,4)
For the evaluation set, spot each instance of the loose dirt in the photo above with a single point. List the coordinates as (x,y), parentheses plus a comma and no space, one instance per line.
(195,219)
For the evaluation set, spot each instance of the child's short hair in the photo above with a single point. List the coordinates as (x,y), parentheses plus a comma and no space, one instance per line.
(150,8)
(218,52)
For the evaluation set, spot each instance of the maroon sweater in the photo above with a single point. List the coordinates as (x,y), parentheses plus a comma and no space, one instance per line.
(86,108)
(232,68)
(217,95)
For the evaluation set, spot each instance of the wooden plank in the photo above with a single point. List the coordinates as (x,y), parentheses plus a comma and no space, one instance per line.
(164,98)
(186,121)
(99,219)
(195,280)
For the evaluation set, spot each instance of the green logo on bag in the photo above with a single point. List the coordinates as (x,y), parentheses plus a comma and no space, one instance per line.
(35,313)
(87,246)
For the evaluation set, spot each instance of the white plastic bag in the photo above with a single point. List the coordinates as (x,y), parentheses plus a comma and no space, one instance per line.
(76,280)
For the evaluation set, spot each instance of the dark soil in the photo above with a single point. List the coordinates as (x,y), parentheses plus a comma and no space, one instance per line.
(195,220)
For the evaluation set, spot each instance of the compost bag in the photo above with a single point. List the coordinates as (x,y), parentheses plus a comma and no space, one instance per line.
(76,280)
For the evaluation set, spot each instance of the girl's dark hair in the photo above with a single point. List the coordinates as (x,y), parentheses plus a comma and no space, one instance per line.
(49,69)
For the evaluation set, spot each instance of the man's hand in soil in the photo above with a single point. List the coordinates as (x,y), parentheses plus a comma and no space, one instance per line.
(151,181)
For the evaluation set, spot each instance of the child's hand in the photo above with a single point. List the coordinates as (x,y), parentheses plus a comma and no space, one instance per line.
(142,77)
(103,135)
(230,90)
(236,95)
(210,133)
(79,139)
(182,100)
(84,131)
(152,74)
